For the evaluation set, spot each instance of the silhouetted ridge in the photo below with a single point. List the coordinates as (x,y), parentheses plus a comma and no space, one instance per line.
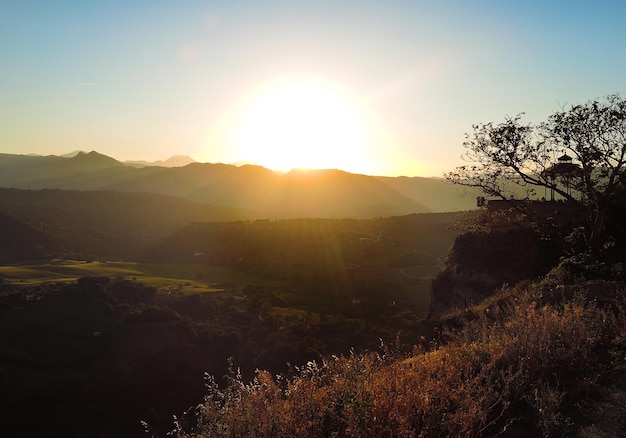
(300,193)
(95,159)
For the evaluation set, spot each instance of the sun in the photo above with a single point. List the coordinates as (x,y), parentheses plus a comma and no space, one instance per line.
(303,124)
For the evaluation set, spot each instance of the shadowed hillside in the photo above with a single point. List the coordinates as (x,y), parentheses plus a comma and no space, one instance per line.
(20,241)
(98,224)
(312,251)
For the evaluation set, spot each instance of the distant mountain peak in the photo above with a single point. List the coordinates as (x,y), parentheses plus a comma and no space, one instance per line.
(173,161)
(72,154)
(95,158)
(178,161)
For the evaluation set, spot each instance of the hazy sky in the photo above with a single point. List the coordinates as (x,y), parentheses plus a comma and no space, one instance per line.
(151,79)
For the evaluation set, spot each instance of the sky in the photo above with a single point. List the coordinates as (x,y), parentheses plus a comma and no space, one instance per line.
(375,87)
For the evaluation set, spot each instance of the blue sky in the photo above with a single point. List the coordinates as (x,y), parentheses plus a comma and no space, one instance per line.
(151,79)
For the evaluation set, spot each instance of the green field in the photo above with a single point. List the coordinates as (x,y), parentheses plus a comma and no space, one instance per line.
(413,290)
(183,277)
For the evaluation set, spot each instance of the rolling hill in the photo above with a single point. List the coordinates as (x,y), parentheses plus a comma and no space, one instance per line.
(94,224)
(261,192)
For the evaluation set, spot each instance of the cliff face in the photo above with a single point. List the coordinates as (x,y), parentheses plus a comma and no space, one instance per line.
(481,262)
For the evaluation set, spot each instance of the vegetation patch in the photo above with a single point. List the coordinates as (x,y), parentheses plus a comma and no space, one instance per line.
(517,369)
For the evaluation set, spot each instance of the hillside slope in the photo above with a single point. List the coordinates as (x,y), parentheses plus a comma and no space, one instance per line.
(22,241)
(98,224)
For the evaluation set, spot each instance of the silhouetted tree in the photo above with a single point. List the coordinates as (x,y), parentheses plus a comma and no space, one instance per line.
(578,153)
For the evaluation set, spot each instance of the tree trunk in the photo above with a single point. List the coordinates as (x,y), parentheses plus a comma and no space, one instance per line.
(597,227)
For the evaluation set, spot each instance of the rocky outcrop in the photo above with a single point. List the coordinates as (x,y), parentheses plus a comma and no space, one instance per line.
(482,262)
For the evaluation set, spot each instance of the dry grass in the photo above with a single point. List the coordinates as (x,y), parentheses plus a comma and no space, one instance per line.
(518,368)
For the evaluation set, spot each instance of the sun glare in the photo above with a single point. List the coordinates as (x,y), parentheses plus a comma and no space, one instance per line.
(303,124)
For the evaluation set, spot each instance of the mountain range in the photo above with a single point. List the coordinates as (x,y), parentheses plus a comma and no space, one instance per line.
(260,192)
